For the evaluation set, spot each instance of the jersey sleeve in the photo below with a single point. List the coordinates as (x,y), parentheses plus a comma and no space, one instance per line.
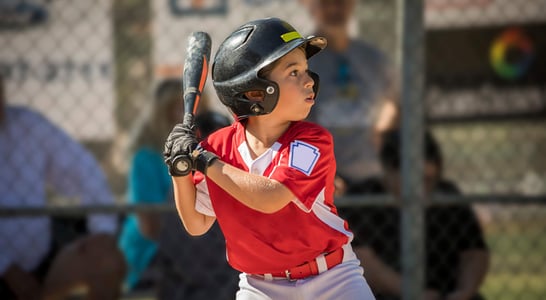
(306,167)
(203,204)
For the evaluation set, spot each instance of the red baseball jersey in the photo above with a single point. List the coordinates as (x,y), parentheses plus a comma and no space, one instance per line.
(303,160)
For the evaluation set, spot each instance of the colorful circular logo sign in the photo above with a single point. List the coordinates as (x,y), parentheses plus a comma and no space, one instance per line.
(511,54)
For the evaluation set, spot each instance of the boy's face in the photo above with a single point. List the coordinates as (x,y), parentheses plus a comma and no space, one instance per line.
(296,94)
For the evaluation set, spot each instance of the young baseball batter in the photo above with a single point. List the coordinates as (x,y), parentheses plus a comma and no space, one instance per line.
(269,178)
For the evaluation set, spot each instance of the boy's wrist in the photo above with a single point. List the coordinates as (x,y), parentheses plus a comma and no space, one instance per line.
(204,160)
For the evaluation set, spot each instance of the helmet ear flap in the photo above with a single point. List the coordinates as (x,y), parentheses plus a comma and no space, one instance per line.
(257,109)
(316,79)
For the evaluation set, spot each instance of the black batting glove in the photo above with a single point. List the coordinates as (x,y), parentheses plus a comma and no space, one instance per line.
(182,153)
(179,146)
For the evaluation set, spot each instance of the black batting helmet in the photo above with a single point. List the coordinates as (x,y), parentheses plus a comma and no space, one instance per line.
(249,49)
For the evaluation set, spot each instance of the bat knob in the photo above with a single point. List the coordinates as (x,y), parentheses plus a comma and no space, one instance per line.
(182,165)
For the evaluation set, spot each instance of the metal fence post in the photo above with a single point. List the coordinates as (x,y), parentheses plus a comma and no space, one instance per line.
(133,59)
(411,65)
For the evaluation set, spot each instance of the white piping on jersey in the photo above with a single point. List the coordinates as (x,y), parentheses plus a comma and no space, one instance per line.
(300,205)
(323,212)
(258,165)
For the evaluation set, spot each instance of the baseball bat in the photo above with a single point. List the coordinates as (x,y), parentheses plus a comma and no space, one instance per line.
(194,76)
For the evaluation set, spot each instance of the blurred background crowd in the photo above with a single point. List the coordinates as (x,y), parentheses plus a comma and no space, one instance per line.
(434,105)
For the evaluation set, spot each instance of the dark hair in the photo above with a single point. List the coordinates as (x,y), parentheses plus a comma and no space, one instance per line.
(390,150)
(152,128)
(167,87)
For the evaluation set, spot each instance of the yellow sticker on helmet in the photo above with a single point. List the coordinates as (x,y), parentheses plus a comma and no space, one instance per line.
(292,35)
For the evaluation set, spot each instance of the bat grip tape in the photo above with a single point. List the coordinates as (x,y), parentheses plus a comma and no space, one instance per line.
(191,90)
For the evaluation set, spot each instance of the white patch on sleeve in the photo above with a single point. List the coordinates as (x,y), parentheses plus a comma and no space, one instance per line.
(303,157)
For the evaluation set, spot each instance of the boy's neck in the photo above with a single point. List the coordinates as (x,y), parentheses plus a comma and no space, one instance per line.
(261,135)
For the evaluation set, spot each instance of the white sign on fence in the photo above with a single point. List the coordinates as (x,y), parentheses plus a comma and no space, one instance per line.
(57,57)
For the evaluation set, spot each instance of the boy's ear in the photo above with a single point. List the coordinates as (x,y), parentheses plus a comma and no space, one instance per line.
(255,95)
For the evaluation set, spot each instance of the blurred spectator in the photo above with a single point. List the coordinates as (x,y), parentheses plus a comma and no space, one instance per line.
(194,268)
(39,159)
(158,251)
(149,182)
(356,99)
(457,257)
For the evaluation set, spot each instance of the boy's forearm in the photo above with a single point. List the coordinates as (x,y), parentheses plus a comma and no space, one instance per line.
(255,191)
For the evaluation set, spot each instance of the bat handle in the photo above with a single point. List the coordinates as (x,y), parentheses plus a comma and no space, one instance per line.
(182,165)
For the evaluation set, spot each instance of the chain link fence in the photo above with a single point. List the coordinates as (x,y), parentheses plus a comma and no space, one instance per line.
(472,73)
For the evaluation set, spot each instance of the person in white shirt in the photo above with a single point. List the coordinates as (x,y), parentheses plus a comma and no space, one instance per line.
(37,157)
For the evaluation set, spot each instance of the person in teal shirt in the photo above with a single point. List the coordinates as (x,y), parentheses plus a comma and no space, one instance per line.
(149,182)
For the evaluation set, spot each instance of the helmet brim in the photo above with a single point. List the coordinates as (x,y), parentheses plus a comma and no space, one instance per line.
(311,44)
(314,45)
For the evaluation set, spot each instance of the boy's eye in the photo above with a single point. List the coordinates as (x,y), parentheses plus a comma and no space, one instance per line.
(294,73)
